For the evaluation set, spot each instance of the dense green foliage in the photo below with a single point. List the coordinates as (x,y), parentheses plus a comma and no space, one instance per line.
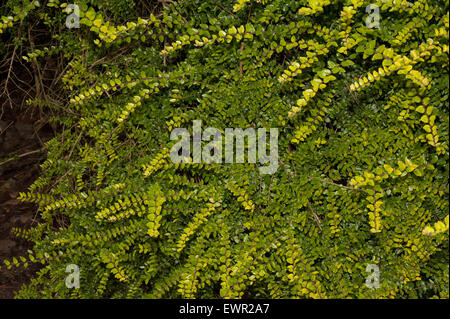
(363,150)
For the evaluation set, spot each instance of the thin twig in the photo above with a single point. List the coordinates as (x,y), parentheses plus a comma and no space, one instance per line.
(3,131)
(22,155)
(225,9)
(315,215)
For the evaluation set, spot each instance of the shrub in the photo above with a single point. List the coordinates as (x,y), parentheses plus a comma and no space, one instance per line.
(362,114)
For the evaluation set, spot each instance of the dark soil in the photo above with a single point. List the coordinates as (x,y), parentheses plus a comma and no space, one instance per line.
(18,136)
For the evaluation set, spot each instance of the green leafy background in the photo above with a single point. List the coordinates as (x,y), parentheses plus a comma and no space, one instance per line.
(363,127)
